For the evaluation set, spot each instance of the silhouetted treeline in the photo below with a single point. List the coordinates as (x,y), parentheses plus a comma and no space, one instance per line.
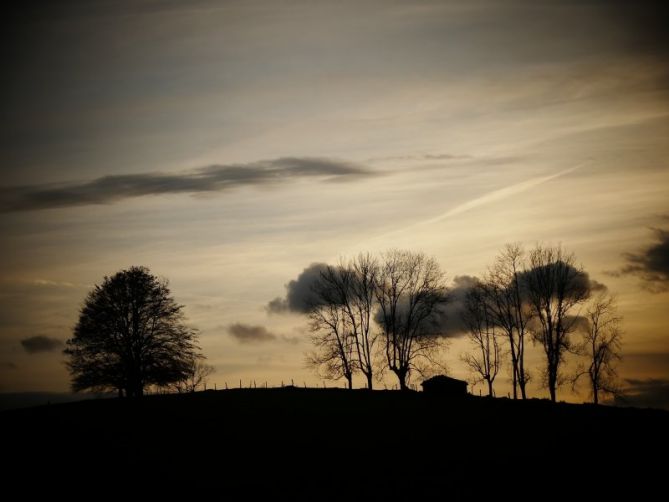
(371,314)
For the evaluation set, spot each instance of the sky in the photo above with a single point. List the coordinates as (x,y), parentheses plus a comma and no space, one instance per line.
(230,145)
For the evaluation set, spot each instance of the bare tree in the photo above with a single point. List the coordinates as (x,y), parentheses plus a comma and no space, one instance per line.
(601,345)
(196,376)
(510,309)
(359,300)
(554,288)
(410,292)
(331,328)
(486,361)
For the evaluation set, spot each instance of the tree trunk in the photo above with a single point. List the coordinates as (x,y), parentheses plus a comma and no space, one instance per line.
(521,374)
(349,379)
(595,394)
(369,381)
(402,377)
(490,394)
(514,364)
(552,384)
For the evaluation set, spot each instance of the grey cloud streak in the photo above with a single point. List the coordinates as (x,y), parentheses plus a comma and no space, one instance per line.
(40,343)
(254,334)
(214,178)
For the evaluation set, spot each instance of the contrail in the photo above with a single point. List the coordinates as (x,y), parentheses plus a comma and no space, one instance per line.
(488,198)
(496,195)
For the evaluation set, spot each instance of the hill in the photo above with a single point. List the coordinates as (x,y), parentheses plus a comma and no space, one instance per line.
(294,441)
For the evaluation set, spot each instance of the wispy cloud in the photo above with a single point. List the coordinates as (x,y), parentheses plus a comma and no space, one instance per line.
(215,178)
(56,284)
(498,195)
(422,156)
(485,199)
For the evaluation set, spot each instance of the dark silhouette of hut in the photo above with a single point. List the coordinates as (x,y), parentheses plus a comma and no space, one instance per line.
(445,386)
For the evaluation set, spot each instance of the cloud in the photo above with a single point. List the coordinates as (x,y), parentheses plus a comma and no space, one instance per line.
(450,321)
(580,280)
(500,194)
(41,343)
(645,393)
(446,322)
(483,200)
(422,156)
(253,334)
(299,295)
(215,178)
(596,286)
(651,264)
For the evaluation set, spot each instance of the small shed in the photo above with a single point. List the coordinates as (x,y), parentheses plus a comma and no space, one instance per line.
(445,386)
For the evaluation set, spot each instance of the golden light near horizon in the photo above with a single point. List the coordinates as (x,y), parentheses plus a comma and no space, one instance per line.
(229,146)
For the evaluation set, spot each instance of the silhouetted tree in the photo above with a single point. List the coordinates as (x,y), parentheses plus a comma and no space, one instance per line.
(601,345)
(358,299)
(332,331)
(486,361)
(554,287)
(410,292)
(510,309)
(130,334)
(197,374)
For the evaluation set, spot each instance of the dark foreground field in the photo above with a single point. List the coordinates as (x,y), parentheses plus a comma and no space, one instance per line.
(321,444)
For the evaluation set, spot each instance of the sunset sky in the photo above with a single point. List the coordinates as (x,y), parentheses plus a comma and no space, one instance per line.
(229,145)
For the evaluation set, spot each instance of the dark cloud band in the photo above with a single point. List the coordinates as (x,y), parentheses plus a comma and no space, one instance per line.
(215,178)
(40,343)
(652,263)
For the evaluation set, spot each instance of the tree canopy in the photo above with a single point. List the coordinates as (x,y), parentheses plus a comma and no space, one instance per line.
(130,334)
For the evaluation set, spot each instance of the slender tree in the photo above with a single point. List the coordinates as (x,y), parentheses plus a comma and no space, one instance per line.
(197,375)
(486,360)
(555,288)
(331,328)
(410,292)
(130,334)
(359,302)
(601,345)
(510,309)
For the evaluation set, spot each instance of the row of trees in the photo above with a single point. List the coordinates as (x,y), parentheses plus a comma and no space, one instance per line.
(369,315)
(372,314)
(543,296)
(401,294)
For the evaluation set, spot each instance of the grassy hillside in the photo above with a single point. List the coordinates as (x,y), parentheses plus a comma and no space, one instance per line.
(295,441)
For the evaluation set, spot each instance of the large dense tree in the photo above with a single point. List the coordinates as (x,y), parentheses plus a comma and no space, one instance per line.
(130,334)
(410,293)
(555,288)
